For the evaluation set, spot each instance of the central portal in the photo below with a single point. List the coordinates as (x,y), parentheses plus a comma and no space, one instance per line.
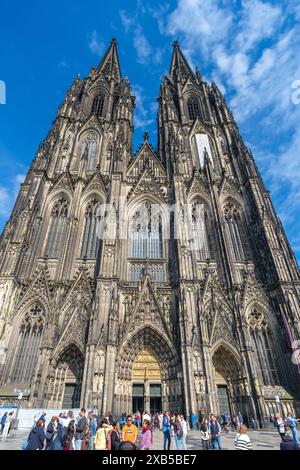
(146,383)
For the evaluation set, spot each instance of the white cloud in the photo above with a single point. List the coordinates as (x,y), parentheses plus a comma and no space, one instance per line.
(127,21)
(141,115)
(96,46)
(142,46)
(8,195)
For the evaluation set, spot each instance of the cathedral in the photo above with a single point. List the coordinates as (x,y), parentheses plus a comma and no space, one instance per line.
(160,279)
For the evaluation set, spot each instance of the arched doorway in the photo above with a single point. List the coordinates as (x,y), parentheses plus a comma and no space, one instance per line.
(146,383)
(148,374)
(229,387)
(67,378)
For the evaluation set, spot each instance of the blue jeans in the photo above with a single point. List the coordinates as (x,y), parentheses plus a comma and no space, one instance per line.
(184,441)
(78,443)
(90,445)
(167,438)
(295,435)
(217,441)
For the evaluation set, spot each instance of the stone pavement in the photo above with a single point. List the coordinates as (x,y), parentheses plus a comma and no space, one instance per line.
(261,440)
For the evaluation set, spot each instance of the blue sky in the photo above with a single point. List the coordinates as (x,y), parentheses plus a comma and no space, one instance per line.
(249,48)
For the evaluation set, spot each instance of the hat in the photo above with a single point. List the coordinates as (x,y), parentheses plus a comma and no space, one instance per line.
(147,417)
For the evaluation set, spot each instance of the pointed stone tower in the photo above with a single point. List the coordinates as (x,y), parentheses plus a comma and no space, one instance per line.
(160,280)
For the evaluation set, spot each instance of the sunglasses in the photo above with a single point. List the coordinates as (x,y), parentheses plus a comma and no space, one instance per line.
(129,420)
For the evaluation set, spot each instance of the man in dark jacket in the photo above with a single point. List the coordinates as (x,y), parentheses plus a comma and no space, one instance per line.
(80,429)
(36,437)
(288,443)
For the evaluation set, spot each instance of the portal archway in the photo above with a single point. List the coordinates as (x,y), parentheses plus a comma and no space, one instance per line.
(230,386)
(148,374)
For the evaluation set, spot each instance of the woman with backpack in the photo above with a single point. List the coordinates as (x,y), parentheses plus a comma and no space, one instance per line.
(178,433)
(101,437)
(113,437)
(67,440)
(36,437)
(205,435)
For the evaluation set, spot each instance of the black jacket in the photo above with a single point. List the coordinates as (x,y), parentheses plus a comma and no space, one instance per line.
(288,444)
(36,439)
(80,428)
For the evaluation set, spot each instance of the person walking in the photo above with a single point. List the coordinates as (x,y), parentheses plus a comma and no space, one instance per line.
(166,428)
(129,431)
(214,430)
(92,422)
(101,436)
(80,429)
(292,422)
(146,435)
(178,433)
(279,423)
(205,435)
(242,440)
(50,432)
(36,436)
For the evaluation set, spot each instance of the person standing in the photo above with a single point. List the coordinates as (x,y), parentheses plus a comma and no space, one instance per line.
(214,430)
(7,425)
(205,435)
(50,432)
(67,441)
(166,428)
(92,422)
(292,422)
(80,430)
(129,431)
(101,437)
(279,423)
(178,433)
(113,437)
(146,435)
(242,440)
(3,421)
(184,425)
(36,437)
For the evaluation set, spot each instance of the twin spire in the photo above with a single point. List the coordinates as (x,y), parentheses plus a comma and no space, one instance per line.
(110,65)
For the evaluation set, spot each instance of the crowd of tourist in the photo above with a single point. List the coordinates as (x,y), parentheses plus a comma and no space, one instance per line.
(87,431)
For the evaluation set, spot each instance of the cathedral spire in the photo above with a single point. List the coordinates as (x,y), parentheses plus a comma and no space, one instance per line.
(179,64)
(110,65)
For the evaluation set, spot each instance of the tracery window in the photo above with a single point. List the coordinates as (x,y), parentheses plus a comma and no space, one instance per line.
(98,105)
(91,240)
(200,240)
(194,108)
(57,228)
(235,232)
(146,232)
(28,344)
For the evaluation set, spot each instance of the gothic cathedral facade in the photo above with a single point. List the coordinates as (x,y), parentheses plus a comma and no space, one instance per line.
(161,280)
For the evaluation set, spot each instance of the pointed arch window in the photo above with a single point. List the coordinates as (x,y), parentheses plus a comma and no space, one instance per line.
(91,240)
(98,105)
(194,108)
(29,339)
(146,232)
(235,232)
(200,239)
(88,152)
(57,228)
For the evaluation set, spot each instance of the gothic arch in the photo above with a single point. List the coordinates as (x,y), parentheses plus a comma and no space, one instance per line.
(229,349)
(92,197)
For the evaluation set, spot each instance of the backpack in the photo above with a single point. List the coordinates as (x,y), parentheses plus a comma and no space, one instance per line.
(108,440)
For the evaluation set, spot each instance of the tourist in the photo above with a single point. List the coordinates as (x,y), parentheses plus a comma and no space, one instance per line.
(50,432)
(36,436)
(113,437)
(92,423)
(205,437)
(178,433)
(129,430)
(194,421)
(138,419)
(166,428)
(101,436)
(3,421)
(68,438)
(242,440)
(122,421)
(184,425)
(7,425)
(288,442)
(146,435)
(80,430)
(214,430)
(279,423)
(292,422)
